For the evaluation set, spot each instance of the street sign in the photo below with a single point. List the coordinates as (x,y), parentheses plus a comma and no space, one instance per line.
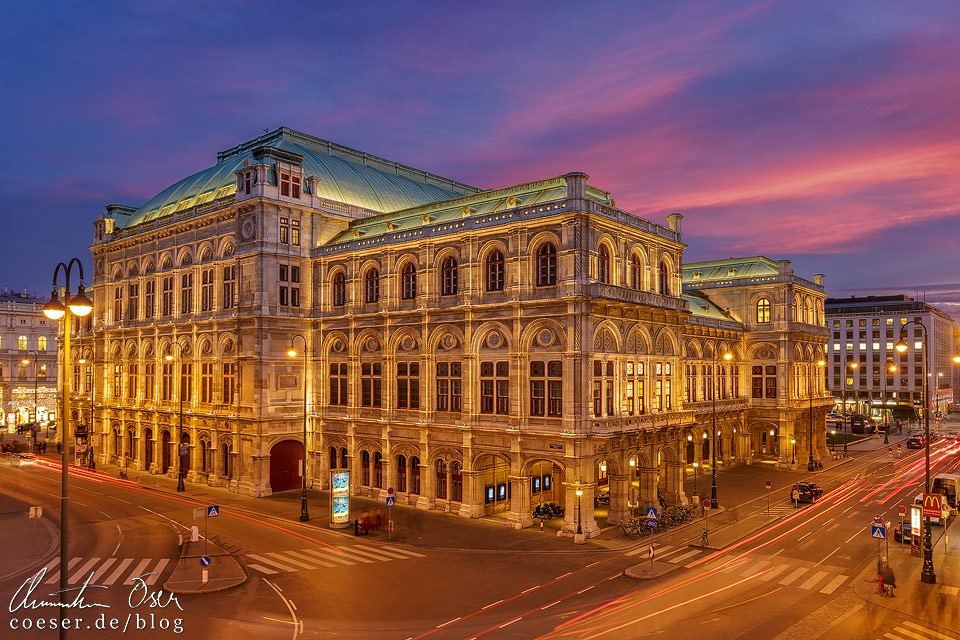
(651,523)
(767,484)
(795,487)
(651,552)
(651,513)
(213,511)
(199,512)
(391,501)
(706,505)
(878,519)
(878,532)
(36,512)
(183,450)
(932,505)
(902,511)
(390,490)
(205,561)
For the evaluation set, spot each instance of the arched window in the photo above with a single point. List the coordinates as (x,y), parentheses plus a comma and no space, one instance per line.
(415,475)
(402,474)
(409,280)
(365,468)
(763,310)
(664,279)
(705,450)
(339,290)
(333,457)
(603,265)
(636,272)
(495,271)
(42,343)
(343,458)
(22,343)
(377,470)
(371,282)
(441,480)
(546,265)
(448,277)
(225,460)
(456,482)
(204,449)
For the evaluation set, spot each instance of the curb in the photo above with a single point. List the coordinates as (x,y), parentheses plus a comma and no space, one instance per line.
(214,585)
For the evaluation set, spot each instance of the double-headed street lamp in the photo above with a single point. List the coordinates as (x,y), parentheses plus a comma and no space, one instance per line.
(93,379)
(181,454)
(820,363)
(713,449)
(927,574)
(852,365)
(78,305)
(292,352)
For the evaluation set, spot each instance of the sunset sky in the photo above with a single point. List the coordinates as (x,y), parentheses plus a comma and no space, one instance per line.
(825,132)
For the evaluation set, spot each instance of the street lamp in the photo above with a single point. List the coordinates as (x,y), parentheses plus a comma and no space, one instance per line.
(78,305)
(696,466)
(579,493)
(182,450)
(713,449)
(820,363)
(852,365)
(886,424)
(833,440)
(36,374)
(93,380)
(927,574)
(304,514)
(793,452)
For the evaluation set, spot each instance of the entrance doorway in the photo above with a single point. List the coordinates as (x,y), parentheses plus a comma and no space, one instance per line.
(285,457)
(496,488)
(165,452)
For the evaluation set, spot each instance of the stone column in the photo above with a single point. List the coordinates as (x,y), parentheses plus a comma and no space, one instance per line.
(472,505)
(427,482)
(619,495)
(588,523)
(648,488)
(673,485)
(520,515)
(388,475)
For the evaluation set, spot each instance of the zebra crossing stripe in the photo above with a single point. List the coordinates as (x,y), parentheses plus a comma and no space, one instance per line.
(770,575)
(338,554)
(382,551)
(754,568)
(138,571)
(117,573)
(660,551)
(684,556)
(310,559)
(296,563)
(817,577)
(793,576)
(402,550)
(56,574)
(157,570)
(833,584)
(82,571)
(272,563)
(936,634)
(737,564)
(355,550)
(262,569)
(103,569)
(330,556)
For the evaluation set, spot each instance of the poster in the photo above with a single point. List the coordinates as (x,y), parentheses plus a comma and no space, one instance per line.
(340,497)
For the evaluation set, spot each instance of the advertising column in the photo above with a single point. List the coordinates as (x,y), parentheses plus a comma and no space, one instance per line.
(340,499)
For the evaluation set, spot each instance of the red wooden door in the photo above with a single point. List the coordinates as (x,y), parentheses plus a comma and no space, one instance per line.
(285,460)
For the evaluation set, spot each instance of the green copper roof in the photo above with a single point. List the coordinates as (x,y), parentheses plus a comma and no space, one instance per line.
(702,307)
(344,174)
(729,269)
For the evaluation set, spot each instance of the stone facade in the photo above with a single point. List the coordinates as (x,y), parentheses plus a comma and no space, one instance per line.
(26,390)
(479,352)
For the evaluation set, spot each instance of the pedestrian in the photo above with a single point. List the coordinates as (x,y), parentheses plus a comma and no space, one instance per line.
(881,565)
(889,579)
(43,448)
(59,448)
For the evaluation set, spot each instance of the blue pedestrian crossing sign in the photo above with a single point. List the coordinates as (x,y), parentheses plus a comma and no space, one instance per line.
(213,511)
(880,533)
(651,513)
(391,501)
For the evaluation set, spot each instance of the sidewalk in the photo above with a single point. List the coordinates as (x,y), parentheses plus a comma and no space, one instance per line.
(223,572)
(32,542)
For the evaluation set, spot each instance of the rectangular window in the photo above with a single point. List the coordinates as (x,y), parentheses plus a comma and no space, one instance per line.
(186,381)
(284,230)
(133,301)
(229,382)
(118,304)
(166,382)
(229,285)
(770,386)
(295,225)
(370,384)
(206,382)
(132,379)
(538,388)
(285,184)
(149,380)
(449,387)
(495,387)
(88,378)
(166,301)
(338,383)
(408,385)
(757,380)
(206,290)
(186,293)
(148,299)
(117,381)
(736,381)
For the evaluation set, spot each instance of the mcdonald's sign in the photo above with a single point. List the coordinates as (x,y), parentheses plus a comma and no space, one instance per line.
(932,506)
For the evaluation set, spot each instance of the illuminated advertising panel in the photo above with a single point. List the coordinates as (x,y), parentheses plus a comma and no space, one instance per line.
(340,498)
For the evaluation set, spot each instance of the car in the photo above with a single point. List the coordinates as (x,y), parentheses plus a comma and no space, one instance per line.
(898,535)
(808,492)
(915,442)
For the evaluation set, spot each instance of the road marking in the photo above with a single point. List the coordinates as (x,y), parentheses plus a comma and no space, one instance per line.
(511,622)
(911,634)
(402,550)
(341,554)
(491,605)
(660,551)
(137,572)
(793,576)
(329,556)
(530,589)
(296,563)
(817,577)
(736,565)
(827,556)
(157,570)
(83,570)
(564,575)
(808,533)
(298,627)
(120,535)
(950,591)
(262,569)
(441,626)
(684,556)
(773,572)
(310,559)
(119,570)
(587,589)
(930,631)
(550,605)
(847,541)
(274,563)
(56,574)
(833,584)
(356,550)
(392,554)
(759,565)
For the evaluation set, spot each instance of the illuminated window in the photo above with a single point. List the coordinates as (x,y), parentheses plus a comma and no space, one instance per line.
(42,343)
(603,265)
(22,343)
(763,310)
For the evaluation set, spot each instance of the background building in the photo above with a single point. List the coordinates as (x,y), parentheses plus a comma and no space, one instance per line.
(28,391)
(477,351)
(865,330)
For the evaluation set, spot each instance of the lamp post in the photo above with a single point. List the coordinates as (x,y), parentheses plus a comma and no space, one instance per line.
(820,363)
(927,574)
(181,454)
(851,364)
(713,449)
(93,379)
(304,514)
(833,440)
(696,467)
(579,493)
(36,374)
(78,305)
(793,452)
(886,424)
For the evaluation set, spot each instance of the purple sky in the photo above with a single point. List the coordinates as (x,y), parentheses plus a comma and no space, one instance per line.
(822,132)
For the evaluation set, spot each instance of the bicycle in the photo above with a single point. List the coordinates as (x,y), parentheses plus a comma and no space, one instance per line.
(704,538)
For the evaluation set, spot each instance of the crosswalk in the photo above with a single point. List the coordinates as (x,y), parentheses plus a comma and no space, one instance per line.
(909,630)
(326,557)
(108,571)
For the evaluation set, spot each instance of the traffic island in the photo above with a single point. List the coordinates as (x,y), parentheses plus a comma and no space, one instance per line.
(205,569)
(649,570)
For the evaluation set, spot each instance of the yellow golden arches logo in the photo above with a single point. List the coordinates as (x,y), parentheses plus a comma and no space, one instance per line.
(931,500)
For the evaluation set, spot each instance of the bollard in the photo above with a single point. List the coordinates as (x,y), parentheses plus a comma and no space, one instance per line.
(194,533)
(203,577)
(541,525)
